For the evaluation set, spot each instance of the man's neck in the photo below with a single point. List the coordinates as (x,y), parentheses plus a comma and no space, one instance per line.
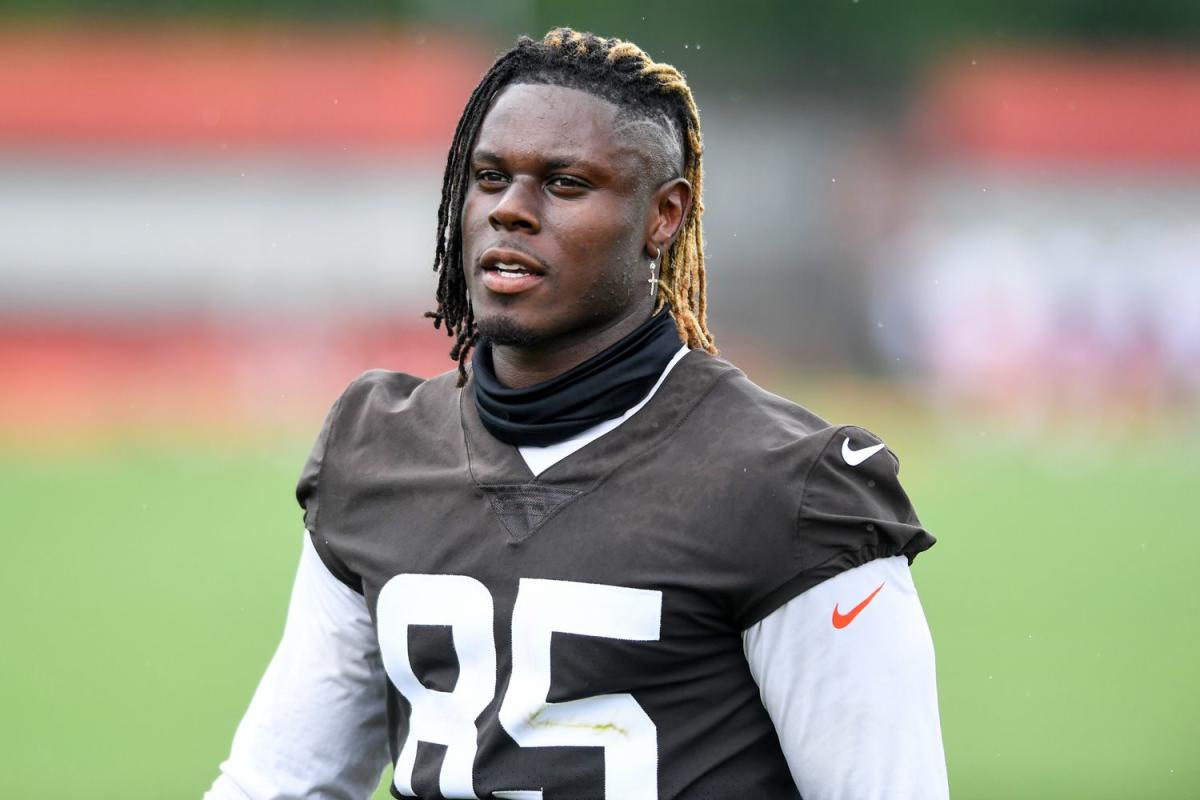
(518,367)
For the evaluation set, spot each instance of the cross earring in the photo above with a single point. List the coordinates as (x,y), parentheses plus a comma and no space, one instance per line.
(653,280)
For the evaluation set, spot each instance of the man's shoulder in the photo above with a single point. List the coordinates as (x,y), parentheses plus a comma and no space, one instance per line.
(742,420)
(381,397)
(805,498)
(387,389)
(763,418)
(379,412)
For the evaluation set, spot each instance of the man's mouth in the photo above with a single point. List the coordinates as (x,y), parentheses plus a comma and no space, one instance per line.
(509,271)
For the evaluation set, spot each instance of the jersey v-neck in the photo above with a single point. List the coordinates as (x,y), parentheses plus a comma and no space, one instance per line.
(539,459)
(523,502)
(493,464)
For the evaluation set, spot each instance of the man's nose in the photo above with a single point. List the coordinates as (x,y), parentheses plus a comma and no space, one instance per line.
(517,208)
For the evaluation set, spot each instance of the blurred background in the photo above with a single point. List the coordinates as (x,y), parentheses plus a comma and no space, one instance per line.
(973,228)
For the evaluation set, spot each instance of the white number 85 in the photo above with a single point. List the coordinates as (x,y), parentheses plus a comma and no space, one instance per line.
(615,722)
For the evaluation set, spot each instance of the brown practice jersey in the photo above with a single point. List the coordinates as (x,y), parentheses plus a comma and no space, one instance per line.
(577,634)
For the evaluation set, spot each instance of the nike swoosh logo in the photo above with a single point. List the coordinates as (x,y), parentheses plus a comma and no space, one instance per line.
(842,620)
(856,457)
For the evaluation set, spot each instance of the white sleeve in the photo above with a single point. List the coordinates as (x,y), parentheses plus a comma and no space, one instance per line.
(315,727)
(850,687)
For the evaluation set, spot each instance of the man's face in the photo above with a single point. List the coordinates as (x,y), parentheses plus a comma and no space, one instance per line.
(554,220)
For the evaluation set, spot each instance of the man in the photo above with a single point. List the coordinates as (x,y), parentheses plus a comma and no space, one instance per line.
(600,563)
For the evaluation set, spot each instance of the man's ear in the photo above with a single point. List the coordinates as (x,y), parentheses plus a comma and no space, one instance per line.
(668,209)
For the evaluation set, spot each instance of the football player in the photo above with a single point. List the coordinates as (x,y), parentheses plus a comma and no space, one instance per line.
(597,561)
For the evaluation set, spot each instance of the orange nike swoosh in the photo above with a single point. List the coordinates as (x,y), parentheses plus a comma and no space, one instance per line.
(842,620)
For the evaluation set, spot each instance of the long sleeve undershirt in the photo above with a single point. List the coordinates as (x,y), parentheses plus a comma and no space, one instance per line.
(855,708)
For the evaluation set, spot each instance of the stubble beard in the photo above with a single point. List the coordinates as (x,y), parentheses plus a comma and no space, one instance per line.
(507,332)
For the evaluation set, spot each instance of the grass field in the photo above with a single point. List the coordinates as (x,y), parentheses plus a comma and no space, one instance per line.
(145,582)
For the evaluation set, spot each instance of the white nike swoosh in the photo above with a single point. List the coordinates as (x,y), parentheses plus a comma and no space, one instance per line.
(856,457)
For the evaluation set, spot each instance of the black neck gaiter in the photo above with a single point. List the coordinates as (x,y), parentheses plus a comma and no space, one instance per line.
(603,387)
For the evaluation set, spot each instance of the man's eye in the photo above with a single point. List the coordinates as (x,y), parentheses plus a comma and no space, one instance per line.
(490,176)
(566,182)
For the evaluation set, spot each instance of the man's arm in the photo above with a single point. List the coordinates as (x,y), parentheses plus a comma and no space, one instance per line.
(315,727)
(853,694)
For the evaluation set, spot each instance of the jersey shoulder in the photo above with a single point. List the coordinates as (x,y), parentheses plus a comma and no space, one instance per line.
(848,504)
(834,467)
(759,423)
(374,410)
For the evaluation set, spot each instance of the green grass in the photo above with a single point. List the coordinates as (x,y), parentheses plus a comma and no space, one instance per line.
(145,586)
(1062,611)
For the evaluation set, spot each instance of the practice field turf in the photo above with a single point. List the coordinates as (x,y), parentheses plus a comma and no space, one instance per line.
(145,586)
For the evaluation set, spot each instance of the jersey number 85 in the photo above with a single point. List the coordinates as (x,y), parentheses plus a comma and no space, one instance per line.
(615,722)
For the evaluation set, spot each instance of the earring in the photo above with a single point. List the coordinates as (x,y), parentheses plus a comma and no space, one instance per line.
(653,280)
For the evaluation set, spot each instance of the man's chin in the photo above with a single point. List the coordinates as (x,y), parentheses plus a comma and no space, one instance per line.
(507,332)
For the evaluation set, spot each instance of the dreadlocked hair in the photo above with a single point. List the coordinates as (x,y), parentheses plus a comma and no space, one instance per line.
(623,74)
